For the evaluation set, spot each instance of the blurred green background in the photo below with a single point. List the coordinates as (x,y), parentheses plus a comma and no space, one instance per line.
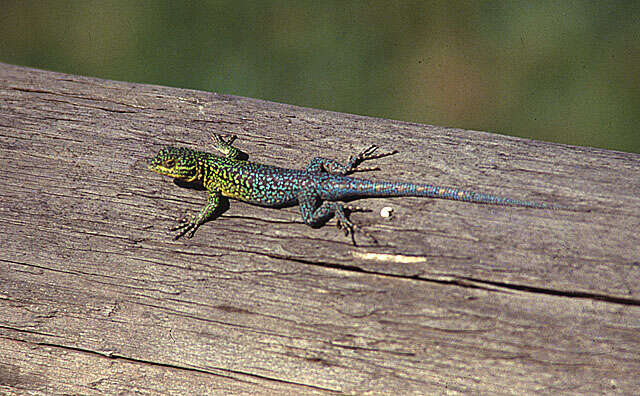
(560,71)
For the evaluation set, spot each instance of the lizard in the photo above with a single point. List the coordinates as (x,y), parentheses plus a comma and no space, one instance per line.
(315,189)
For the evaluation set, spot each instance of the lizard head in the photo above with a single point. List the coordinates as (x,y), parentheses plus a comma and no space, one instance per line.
(176,162)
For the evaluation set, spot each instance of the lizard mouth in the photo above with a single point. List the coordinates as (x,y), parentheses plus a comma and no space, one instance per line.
(162,170)
(176,173)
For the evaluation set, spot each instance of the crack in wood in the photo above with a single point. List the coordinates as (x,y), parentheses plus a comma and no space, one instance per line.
(212,371)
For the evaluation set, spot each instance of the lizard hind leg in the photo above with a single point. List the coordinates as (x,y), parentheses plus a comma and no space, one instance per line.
(365,155)
(315,213)
(319,164)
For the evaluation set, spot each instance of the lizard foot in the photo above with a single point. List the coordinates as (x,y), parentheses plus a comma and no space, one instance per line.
(220,141)
(188,226)
(347,225)
(367,154)
(353,208)
(225,145)
(351,229)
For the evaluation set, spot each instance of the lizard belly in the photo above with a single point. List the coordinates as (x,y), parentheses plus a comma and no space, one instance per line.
(234,195)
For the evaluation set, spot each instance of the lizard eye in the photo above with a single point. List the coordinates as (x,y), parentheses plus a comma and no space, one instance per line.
(170,163)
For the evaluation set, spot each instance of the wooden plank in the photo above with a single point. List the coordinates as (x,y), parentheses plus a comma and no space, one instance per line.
(456,297)
(50,369)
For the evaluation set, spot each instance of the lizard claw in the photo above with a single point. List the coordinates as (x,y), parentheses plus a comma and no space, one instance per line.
(187,226)
(220,141)
(225,145)
(350,229)
(363,232)
(353,208)
(368,153)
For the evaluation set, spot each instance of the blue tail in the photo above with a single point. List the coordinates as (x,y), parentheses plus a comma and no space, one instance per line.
(358,188)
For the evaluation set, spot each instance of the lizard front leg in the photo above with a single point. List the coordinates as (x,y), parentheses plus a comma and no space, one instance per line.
(319,164)
(190,226)
(225,146)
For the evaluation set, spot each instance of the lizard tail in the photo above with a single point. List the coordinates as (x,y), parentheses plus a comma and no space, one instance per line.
(388,189)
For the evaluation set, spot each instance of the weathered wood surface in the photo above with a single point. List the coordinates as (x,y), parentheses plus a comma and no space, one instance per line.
(95,296)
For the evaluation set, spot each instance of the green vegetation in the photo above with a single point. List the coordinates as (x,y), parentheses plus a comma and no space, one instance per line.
(559,71)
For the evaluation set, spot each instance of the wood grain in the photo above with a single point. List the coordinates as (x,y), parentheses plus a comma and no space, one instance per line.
(96,297)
